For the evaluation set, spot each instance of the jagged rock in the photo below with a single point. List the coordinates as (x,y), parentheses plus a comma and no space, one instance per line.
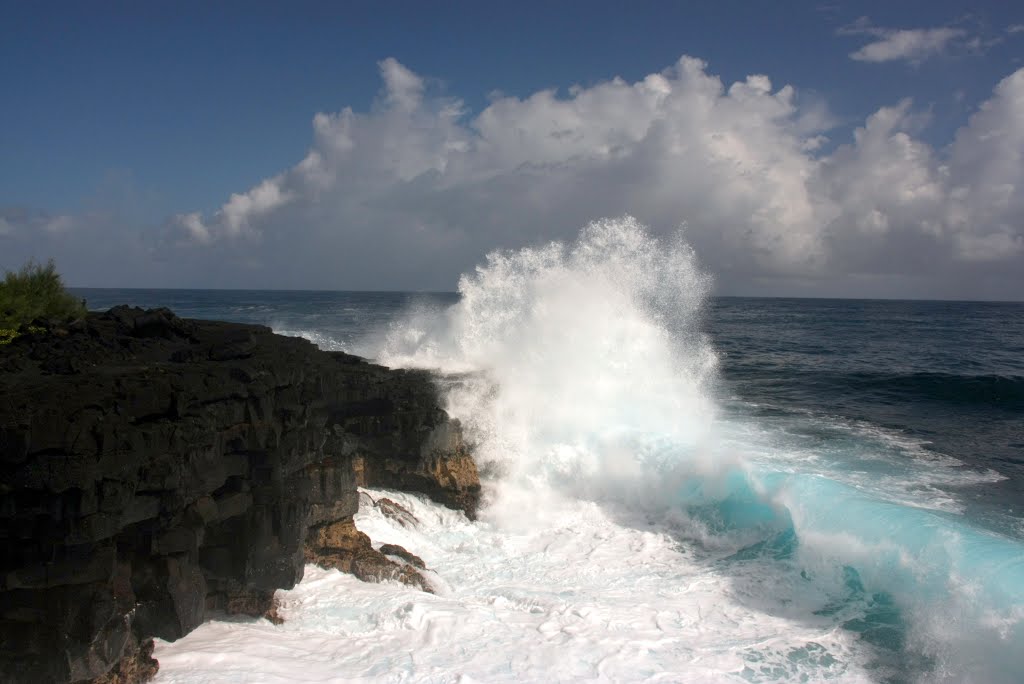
(400,552)
(340,545)
(154,468)
(441,468)
(136,665)
(273,614)
(396,512)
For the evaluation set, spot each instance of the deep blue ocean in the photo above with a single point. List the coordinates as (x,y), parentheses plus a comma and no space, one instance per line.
(893,424)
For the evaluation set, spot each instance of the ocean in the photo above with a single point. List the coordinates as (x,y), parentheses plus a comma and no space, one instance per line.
(678,487)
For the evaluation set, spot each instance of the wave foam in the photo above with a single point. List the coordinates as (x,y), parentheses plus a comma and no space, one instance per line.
(589,380)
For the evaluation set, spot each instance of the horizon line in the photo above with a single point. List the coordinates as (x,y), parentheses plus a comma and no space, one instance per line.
(455,292)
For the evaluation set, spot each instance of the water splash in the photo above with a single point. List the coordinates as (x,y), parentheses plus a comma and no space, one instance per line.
(576,349)
(584,376)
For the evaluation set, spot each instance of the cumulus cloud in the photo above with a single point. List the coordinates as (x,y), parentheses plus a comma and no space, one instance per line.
(415,190)
(905,206)
(676,145)
(908,45)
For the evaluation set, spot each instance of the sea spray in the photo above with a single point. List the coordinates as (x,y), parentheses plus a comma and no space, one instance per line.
(585,375)
(649,521)
(577,349)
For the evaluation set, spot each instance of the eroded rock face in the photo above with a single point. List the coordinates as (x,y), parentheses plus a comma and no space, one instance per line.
(396,512)
(154,468)
(442,468)
(340,545)
(136,665)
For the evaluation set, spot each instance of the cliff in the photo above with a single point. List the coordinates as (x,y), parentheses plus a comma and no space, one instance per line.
(154,468)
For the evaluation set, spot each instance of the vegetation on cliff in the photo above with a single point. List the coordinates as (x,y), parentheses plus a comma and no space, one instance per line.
(35,291)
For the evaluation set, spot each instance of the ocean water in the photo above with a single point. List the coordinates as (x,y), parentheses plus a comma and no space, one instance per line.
(678,487)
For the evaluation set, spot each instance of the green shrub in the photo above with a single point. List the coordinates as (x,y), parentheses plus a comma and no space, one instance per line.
(35,291)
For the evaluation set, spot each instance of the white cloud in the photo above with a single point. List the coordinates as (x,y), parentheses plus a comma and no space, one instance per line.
(910,45)
(194,228)
(884,180)
(413,192)
(235,217)
(240,209)
(676,145)
(985,176)
(403,88)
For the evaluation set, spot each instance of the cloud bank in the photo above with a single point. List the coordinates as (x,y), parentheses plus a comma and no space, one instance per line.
(416,190)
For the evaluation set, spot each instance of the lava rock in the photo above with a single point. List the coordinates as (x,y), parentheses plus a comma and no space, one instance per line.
(154,468)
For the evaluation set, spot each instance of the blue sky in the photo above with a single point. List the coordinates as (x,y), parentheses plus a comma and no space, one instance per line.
(121,119)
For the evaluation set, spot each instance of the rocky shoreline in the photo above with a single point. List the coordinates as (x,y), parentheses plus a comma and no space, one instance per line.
(154,469)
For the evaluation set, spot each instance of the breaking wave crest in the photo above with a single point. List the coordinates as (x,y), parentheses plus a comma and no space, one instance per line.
(581,373)
(571,357)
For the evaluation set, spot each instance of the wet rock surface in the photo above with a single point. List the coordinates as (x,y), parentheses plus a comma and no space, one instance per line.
(396,512)
(340,545)
(154,468)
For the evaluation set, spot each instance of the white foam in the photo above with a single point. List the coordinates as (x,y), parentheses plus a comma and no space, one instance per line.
(321,340)
(888,465)
(583,598)
(578,350)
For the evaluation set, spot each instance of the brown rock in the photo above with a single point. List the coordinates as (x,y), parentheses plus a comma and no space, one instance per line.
(339,536)
(396,512)
(400,552)
(341,546)
(137,666)
(441,467)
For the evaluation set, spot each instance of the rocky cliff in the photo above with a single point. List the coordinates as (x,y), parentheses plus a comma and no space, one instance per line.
(154,468)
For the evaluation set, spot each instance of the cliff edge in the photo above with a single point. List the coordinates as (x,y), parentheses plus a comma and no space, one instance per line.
(154,468)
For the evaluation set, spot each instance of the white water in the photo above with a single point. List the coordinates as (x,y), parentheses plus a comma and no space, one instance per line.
(630,533)
(584,599)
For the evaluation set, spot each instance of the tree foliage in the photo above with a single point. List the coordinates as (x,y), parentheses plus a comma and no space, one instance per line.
(36,291)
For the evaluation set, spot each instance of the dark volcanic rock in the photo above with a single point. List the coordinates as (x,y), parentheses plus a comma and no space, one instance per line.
(442,468)
(153,468)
